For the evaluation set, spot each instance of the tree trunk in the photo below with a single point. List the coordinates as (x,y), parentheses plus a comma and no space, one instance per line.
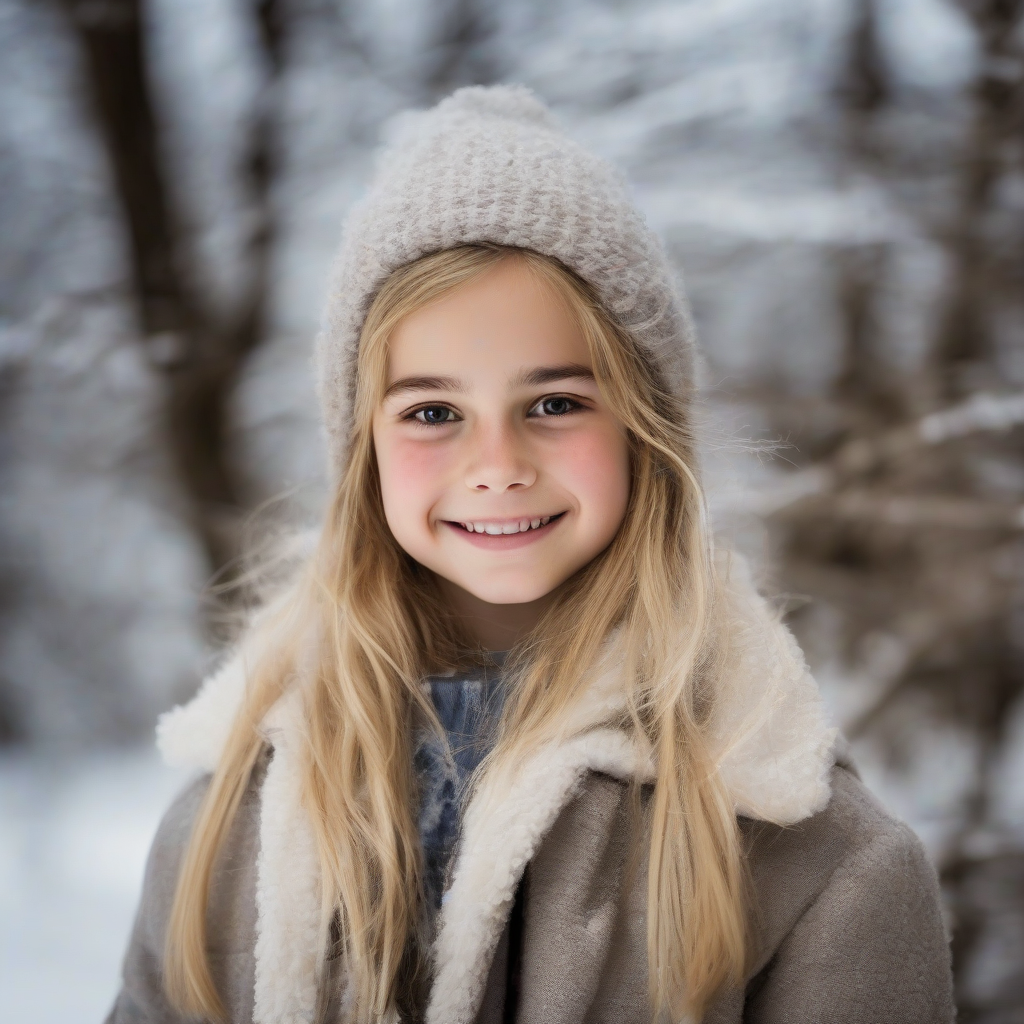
(200,360)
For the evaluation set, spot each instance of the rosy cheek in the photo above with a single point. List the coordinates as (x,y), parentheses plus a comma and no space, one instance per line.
(412,474)
(594,463)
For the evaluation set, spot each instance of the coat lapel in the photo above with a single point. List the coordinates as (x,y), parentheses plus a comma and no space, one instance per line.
(503,826)
(288,881)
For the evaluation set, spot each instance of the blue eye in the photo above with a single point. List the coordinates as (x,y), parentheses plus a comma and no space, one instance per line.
(559,405)
(434,414)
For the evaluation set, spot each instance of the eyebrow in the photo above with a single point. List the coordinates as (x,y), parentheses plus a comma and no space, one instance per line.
(550,374)
(528,378)
(404,384)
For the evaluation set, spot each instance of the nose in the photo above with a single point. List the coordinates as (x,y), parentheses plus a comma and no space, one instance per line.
(498,461)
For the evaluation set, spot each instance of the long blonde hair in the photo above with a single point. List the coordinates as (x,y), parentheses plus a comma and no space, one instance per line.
(362,624)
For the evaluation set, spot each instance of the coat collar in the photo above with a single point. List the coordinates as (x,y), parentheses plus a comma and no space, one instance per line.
(770,738)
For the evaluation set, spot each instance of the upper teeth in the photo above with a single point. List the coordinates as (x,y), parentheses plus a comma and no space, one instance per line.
(515,527)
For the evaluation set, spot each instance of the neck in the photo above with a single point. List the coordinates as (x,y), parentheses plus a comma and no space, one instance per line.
(496,627)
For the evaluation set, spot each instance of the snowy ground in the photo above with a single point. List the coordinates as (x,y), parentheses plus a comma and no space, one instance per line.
(73,843)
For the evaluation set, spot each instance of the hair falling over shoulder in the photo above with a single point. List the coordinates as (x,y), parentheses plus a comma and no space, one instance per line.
(361,624)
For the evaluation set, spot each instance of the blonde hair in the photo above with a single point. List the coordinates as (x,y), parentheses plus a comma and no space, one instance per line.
(378,626)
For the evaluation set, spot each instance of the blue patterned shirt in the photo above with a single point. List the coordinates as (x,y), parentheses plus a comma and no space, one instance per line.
(469,705)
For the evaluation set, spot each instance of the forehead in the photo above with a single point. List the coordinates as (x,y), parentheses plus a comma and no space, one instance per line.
(498,323)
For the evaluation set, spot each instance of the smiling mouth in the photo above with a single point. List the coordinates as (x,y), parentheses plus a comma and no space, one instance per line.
(505,527)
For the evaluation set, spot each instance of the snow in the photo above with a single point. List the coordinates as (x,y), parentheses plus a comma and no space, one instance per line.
(76,830)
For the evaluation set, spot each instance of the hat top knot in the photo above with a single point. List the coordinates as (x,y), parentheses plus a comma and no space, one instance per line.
(513,102)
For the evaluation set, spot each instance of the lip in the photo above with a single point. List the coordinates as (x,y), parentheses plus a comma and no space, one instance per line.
(504,541)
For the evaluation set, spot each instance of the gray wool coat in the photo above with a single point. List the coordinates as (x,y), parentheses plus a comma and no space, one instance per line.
(548,895)
(846,921)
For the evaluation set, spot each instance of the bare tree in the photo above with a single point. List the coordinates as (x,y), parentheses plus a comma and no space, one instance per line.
(199,354)
(985,267)
(11,588)
(910,520)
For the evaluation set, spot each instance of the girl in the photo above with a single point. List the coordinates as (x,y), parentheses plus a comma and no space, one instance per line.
(516,745)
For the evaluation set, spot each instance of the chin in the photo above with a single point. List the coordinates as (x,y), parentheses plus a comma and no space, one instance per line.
(512,593)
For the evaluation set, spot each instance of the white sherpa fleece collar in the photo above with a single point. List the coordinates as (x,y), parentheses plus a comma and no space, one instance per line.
(771,738)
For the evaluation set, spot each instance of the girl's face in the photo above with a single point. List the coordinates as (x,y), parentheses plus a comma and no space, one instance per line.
(502,469)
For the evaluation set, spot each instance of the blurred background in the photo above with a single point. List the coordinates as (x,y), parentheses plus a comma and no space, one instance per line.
(841,183)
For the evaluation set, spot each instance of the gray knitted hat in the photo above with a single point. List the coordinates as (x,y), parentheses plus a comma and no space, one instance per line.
(492,165)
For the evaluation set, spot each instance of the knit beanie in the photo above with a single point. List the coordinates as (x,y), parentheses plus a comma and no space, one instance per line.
(491,164)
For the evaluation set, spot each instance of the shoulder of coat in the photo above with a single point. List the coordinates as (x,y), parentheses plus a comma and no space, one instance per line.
(854,837)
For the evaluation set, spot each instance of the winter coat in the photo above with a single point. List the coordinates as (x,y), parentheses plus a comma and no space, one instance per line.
(844,907)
